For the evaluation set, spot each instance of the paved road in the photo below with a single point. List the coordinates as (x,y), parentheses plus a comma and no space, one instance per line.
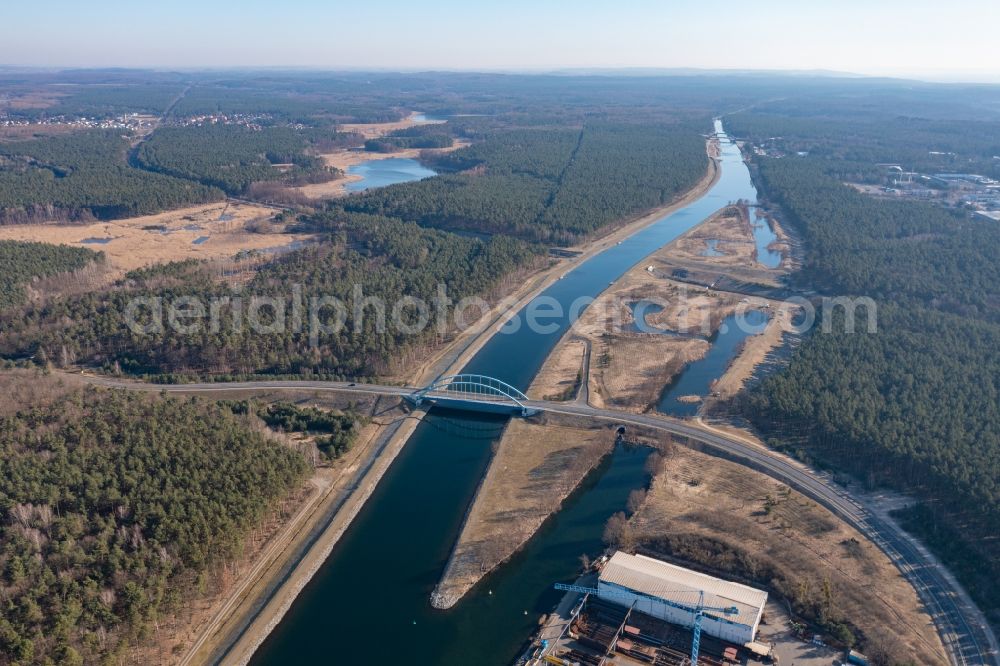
(961,625)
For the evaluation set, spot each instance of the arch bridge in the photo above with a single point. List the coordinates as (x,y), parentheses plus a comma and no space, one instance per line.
(477,393)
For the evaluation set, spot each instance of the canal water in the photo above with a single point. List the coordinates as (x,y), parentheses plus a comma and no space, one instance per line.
(763,236)
(388,171)
(369,603)
(697,378)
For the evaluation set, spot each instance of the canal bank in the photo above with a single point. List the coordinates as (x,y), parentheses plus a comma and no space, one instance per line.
(378,580)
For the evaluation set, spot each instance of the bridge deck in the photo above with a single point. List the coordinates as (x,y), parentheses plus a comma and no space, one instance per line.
(473,402)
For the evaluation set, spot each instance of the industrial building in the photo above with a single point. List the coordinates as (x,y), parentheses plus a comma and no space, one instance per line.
(627,579)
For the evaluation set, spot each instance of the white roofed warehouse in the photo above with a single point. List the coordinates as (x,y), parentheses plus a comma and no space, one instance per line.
(643,580)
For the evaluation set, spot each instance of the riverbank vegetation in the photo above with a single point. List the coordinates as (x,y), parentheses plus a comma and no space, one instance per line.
(419,136)
(115,508)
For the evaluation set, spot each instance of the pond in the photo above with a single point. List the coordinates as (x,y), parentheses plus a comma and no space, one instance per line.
(386,171)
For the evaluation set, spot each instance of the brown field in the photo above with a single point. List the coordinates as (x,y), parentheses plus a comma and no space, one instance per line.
(629,369)
(557,378)
(696,500)
(23,132)
(32,99)
(535,467)
(630,372)
(134,244)
(731,228)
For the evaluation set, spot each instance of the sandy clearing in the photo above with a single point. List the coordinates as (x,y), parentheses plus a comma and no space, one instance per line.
(535,467)
(697,495)
(730,228)
(628,368)
(22,132)
(133,245)
(373,130)
(31,99)
(629,373)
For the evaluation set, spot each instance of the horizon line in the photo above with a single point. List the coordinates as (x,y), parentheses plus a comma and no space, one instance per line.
(942,76)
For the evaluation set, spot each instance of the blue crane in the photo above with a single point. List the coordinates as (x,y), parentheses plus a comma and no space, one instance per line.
(697,610)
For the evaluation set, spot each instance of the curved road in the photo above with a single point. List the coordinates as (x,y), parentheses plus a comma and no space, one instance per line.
(964,631)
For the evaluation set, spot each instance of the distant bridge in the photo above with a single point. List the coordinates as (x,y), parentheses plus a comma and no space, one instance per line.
(477,393)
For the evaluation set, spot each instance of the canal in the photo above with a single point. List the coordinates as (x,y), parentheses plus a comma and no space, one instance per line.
(369,603)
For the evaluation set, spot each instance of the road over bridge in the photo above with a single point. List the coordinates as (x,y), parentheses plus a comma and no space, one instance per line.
(962,626)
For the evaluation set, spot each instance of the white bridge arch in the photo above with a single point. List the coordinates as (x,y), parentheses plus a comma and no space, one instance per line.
(474,393)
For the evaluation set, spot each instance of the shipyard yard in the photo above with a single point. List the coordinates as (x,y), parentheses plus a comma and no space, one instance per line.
(639,610)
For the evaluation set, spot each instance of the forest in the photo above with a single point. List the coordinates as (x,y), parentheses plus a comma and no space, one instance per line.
(419,136)
(895,250)
(917,404)
(232,157)
(83,176)
(115,507)
(22,262)
(319,104)
(855,134)
(548,186)
(385,258)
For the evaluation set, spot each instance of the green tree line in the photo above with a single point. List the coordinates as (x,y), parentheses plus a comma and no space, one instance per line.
(232,157)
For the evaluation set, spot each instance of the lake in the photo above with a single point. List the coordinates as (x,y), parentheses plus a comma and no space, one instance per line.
(386,171)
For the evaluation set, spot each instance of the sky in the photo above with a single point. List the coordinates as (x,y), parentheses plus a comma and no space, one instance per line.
(955,40)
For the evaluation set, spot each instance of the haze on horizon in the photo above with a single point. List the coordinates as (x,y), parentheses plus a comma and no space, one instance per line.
(915,38)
